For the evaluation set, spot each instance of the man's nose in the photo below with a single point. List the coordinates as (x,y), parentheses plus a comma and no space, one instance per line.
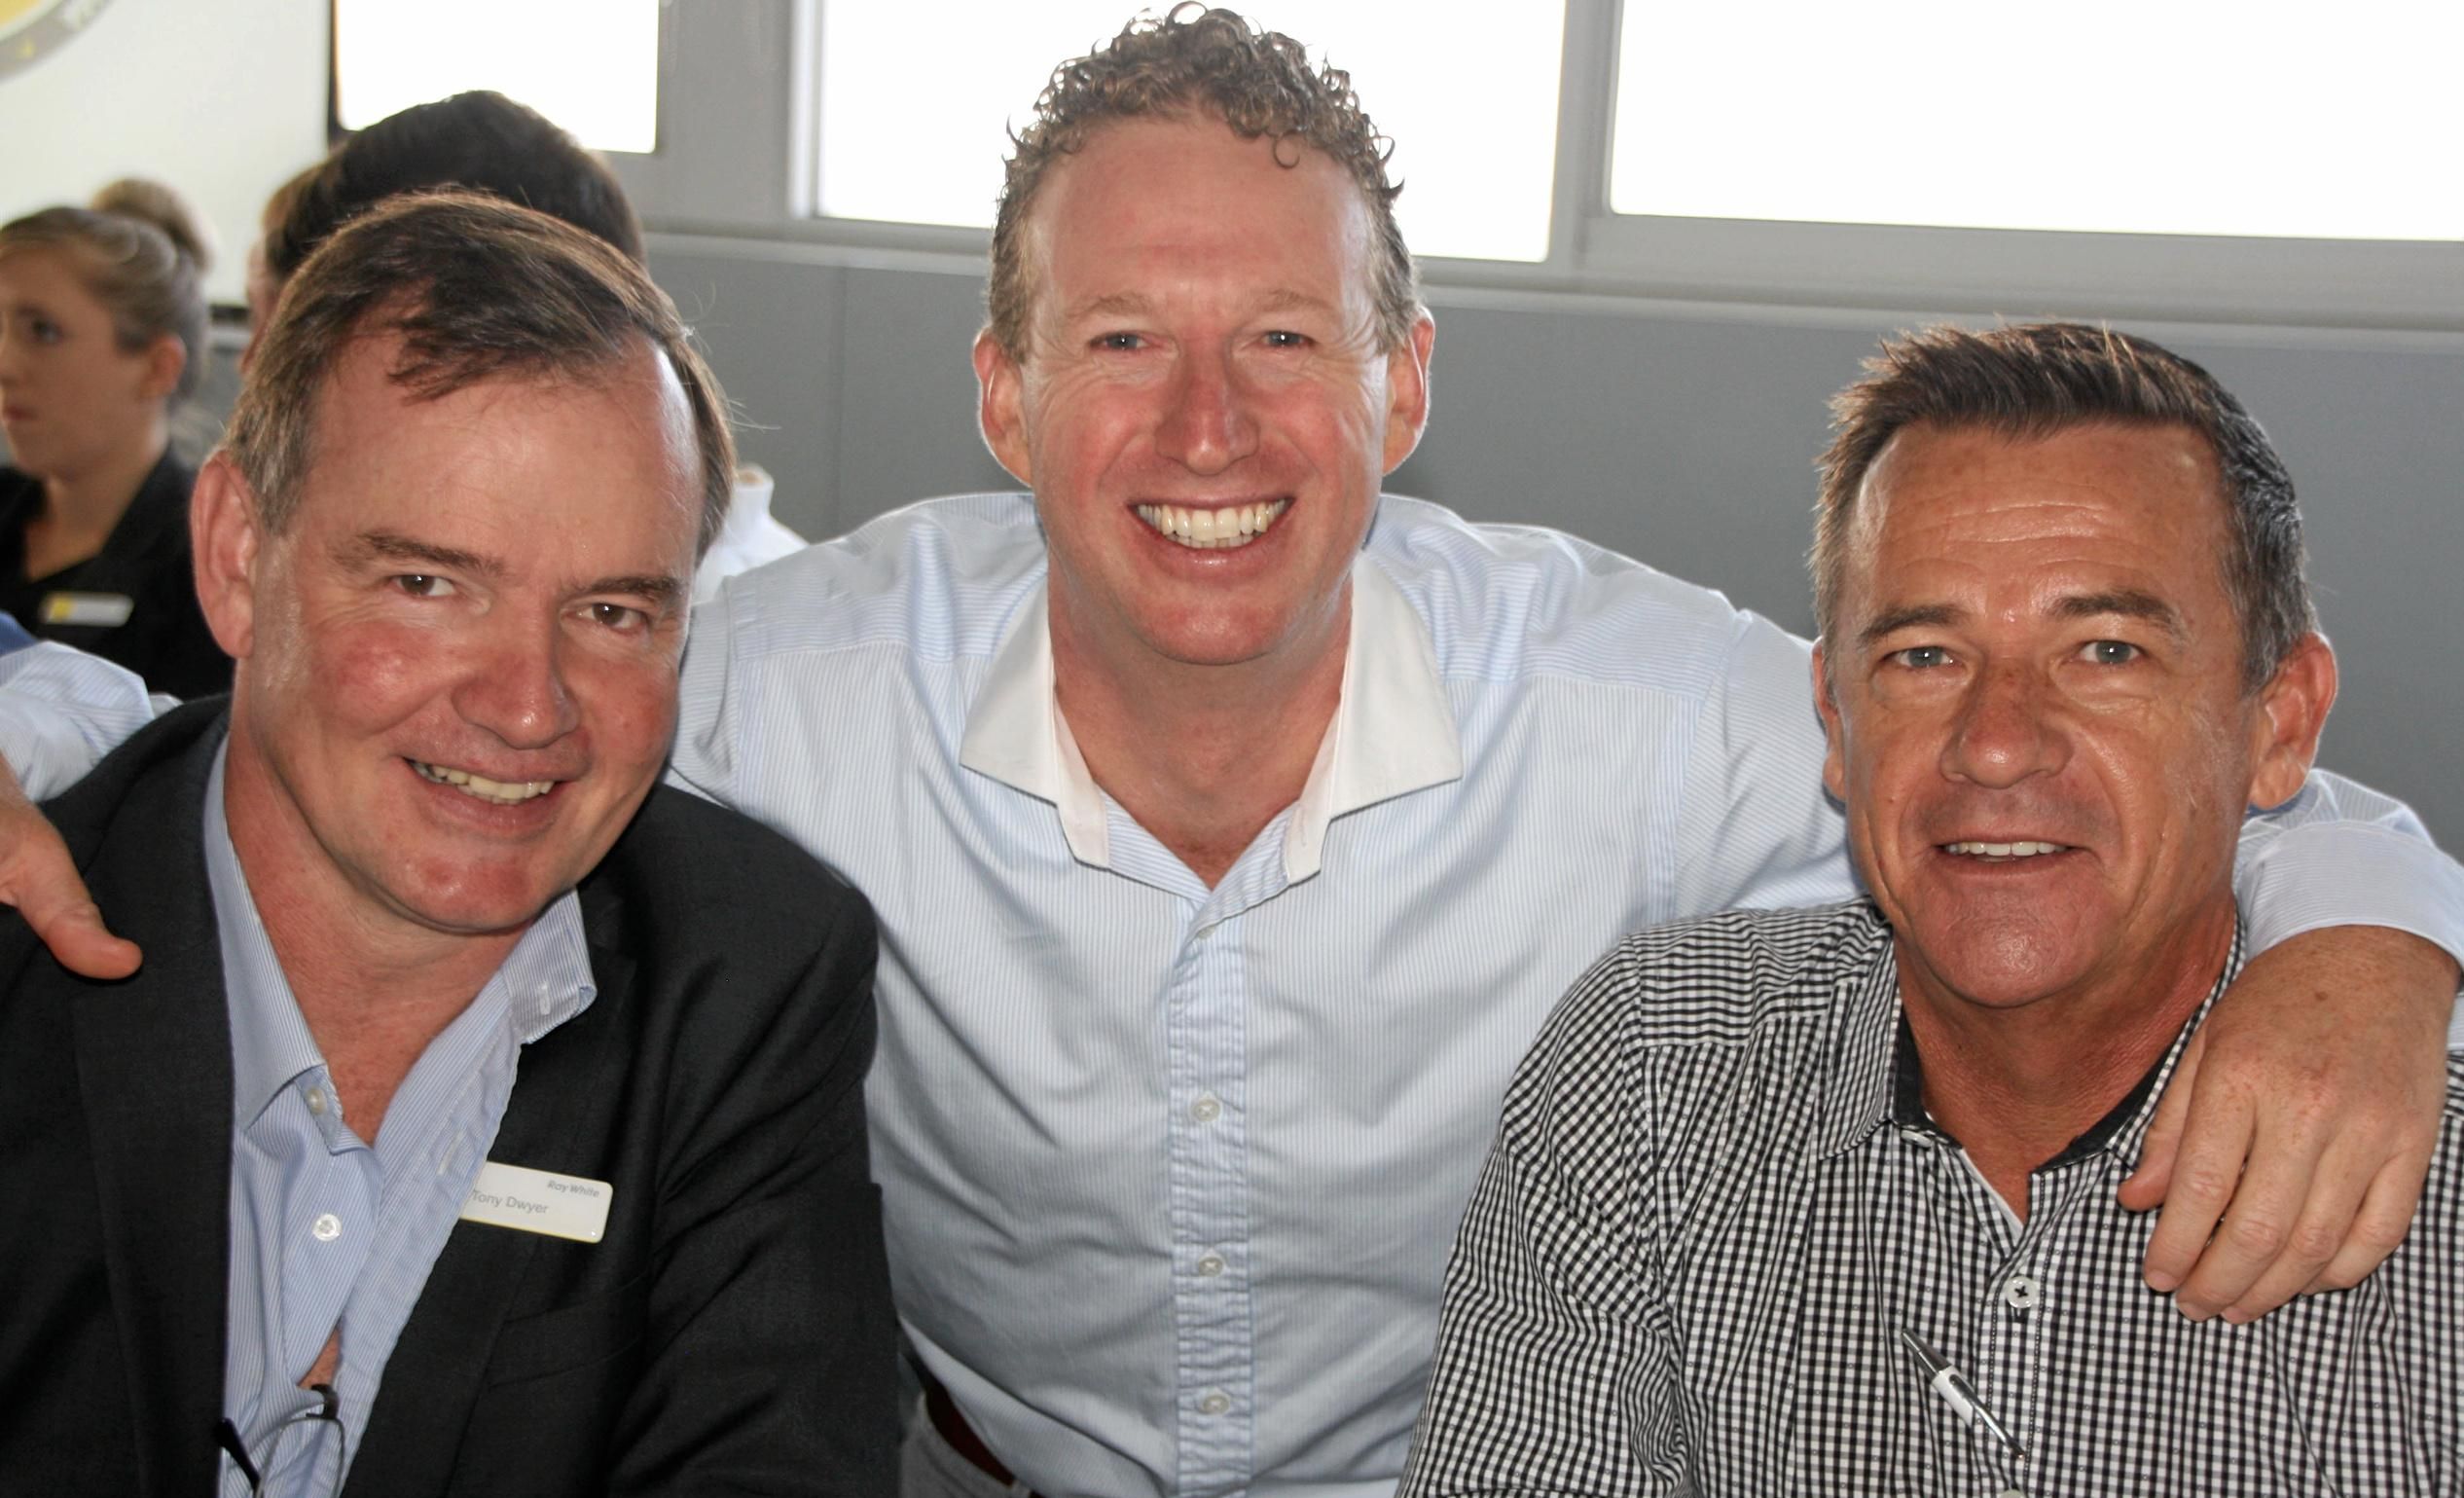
(2009,727)
(515,687)
(1206,423)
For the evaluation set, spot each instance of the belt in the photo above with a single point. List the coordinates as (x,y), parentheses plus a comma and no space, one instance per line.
(962,1438)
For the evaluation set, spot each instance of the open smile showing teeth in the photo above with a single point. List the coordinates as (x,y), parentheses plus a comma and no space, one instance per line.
(1216,529)
(2003,850)
(501,792)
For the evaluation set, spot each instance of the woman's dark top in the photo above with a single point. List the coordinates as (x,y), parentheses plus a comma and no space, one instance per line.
(134,601)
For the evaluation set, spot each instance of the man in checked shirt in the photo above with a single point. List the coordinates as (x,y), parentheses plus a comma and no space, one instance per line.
(1825,1200)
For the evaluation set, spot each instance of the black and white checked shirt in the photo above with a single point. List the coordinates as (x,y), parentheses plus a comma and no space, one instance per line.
(1716,1199)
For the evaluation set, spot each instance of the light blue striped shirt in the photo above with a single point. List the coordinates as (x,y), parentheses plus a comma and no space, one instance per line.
(325,1231)
(1171,1172)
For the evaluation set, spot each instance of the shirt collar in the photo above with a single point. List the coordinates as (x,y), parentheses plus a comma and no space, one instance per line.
(1867,1094)
(1393,733)
(545,979)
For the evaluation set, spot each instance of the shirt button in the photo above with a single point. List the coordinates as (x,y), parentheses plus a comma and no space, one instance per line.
(1209,1265)
(316,1101)
(327,1227)
(1208,1109)
(1206,931)
(2019,1292)
(1215,1402)
(2011,1492)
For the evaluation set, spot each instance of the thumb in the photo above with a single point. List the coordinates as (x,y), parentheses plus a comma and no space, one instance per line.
(39,878)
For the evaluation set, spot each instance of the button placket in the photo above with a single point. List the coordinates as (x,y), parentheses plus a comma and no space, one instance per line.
(1207,1060)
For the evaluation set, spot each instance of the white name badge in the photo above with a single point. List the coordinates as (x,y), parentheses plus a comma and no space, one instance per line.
(539,1201)
(108,610)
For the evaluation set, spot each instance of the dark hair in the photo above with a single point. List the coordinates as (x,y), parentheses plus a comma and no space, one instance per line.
(2037,378)
(1258,83)
(139,251)
(478,289)
(482,141)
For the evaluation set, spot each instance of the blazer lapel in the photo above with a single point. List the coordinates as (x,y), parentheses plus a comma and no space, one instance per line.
(153,1056)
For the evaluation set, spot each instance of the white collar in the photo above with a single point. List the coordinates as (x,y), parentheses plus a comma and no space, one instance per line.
(1393,732)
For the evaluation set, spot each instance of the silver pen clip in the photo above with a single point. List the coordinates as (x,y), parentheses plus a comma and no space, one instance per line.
(1957,1392)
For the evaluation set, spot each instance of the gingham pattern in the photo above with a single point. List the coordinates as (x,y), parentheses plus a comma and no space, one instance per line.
(1715,1199)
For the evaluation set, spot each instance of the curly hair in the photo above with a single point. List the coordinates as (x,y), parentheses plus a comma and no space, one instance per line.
(2035,379)
(1258,83)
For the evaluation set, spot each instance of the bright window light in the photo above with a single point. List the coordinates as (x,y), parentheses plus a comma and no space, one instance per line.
(590,65)
(1468,91)
(2182,117)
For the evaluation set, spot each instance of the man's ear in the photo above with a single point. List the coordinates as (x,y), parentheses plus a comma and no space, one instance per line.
(224,534)
(1001,407)
(1407,391)
(164,359)
(2287,719)
(1834,757)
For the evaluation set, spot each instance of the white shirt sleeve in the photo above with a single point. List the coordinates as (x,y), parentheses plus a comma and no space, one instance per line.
(62,710)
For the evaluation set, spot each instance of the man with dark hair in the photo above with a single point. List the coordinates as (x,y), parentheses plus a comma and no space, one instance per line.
(480,140)
(426,944)
(1234,827)
(1826,1200)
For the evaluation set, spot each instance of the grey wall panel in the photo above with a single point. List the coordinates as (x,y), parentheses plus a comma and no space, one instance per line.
(771,331)
(907,409)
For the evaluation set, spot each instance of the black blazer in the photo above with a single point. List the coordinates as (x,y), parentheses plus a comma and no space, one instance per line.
(732,1330)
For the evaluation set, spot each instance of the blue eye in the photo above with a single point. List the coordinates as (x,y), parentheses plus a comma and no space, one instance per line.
(1118,343)
(2109,652)
(1921,657)
(1284,337)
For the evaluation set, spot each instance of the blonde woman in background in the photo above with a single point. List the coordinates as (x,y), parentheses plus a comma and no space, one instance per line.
(102,332)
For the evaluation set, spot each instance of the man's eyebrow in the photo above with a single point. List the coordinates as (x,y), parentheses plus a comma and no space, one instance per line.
(1908,616)
(657,587)
(2129,603)
(1112,304)
(394,546)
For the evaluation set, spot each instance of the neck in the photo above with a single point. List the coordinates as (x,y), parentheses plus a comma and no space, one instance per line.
(1203,756)
(375,987)
(2014,1085)
(90,502)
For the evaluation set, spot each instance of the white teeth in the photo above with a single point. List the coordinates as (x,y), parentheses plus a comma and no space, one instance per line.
(501,792)
(2003,850)
(1217,529)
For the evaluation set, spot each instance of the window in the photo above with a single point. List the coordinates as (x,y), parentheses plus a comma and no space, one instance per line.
(1471,101)
(2190,116)
(590,65)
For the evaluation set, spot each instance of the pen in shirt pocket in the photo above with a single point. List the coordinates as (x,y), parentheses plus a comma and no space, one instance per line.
(1957,1392)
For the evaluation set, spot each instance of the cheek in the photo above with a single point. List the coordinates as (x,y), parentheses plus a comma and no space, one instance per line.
(628,707)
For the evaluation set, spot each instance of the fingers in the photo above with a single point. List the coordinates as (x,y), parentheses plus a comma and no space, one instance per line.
(2385,1216)
(2153,1176)
(39,878)
(2287,1220)
(2217,1137)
